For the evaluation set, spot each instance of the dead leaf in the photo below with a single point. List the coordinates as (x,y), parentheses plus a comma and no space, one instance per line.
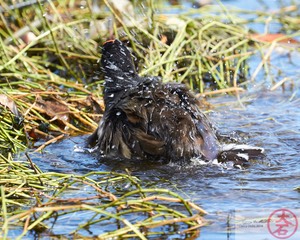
(54,109)
(10,104)
(164,39)
(95,105)
(270,37)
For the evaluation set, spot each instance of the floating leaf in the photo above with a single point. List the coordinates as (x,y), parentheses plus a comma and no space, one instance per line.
(271,37)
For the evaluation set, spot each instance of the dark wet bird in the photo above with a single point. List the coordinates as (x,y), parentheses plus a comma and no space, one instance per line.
(148,120)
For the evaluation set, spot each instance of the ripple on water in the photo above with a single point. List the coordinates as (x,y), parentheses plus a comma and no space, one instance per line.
(269,121)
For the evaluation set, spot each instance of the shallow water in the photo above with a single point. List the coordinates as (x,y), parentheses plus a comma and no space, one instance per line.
(264,118)
(267,119)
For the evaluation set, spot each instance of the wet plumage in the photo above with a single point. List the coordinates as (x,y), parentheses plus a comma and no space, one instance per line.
(146,119)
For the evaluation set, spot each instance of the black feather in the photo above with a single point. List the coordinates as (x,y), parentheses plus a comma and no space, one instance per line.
(149,120)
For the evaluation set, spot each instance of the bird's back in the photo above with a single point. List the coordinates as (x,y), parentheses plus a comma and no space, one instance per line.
(157,121)
(146,119)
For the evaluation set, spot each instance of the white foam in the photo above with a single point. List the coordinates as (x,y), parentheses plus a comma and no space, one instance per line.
(233,146)
(84,150)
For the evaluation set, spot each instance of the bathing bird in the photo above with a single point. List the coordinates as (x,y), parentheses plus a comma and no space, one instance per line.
(148,120)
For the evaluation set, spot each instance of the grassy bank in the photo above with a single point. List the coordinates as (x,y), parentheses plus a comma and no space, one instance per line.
(49,66)
(51,86)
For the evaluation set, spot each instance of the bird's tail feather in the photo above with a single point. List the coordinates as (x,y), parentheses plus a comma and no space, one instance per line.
(240,154)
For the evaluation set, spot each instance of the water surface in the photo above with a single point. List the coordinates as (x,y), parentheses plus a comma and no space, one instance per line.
(261,117)
(267,119)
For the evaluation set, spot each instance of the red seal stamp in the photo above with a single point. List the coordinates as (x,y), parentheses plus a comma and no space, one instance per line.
(282,223)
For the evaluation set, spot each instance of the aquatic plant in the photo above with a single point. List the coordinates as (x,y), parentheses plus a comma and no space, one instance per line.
(12,135)
(49,63)
(49,72)
(40,201)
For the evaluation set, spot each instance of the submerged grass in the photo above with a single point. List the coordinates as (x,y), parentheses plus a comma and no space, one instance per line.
(12,135)
(34,200)
(49,73)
